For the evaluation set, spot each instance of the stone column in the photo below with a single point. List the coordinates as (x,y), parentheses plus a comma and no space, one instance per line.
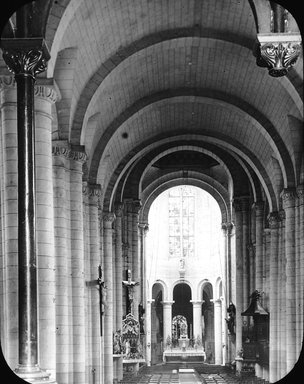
(224,332)
(45,97)
(148,332)
(259,212)
(61,185)
(281,287)
(94,196)
(239,273)
(245,229)
(227,229)
(26,57)
(288,199)
(118,281)
(273,296)
(143,230)
(77,265)
(118,264)
(218,331)
(197,319)
(108,218)
(136,262)
(300,267)
(167,318)
(9,217)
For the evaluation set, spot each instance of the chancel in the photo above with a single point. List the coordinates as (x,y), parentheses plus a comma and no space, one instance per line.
(151,191)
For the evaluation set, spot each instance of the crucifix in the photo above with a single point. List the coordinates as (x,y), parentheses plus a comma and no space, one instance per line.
(102,294)
(130,285)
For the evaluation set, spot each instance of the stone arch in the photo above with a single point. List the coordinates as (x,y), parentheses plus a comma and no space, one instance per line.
(182,281)
(251,159)
(221,199)
(163,286)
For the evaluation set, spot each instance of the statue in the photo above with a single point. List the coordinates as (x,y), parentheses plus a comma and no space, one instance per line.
(231,318)
(130,285)
(141,318)
(117,343)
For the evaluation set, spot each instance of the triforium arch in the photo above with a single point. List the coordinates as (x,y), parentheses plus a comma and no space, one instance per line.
(121,105)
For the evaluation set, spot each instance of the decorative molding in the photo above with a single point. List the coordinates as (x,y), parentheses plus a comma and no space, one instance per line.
(278,52)
(25,56)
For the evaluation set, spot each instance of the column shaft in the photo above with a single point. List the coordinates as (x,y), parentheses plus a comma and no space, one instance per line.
(197,319)
(218,331)
(148,332)
(259,209)
(108,316)
(77,265)
(273,297)
(61,187)
(288,197)
(167,318)
(238,275)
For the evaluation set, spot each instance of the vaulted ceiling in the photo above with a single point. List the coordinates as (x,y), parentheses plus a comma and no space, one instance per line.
(165,90)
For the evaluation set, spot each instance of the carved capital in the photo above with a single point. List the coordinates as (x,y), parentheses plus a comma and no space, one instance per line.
(300,193)
(25,56)
(69,154)
(136,206)
(259,208)
(227,227)
(119,209)
(7,82)
(278,52)
(274,220)
(108,217)
(46,92)
(92,191)
(144,227)
(241,203)
(288,196)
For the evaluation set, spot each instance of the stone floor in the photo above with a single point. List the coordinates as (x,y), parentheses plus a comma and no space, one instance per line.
(189,374)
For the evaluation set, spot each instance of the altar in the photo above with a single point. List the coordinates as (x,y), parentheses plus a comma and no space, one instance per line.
(179,348)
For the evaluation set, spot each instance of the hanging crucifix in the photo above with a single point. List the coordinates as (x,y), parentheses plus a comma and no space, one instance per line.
(102,294)
(129,284)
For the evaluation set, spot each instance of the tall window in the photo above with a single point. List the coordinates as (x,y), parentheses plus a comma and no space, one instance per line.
(181,221)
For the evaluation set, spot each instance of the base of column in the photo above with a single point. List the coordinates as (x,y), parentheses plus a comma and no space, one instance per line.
(34,375)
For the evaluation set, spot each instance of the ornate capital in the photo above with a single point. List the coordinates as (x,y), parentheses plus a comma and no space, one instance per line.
(278,52)
(227,227)
(7,82)
(300,192)
(119,209)
(288,196)
(274,220)
(144,227)
(108,217)
(259,207)
(92,191)
(136,206)
(46,92)
(25,56)
(69,154)
(241,203)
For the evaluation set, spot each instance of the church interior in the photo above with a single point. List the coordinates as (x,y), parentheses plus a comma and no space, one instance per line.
(151,191)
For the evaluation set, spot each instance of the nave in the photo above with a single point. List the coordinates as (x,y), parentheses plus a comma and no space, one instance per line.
(180,373)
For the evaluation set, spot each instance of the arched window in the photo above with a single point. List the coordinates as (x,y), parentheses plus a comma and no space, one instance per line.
(181,221)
